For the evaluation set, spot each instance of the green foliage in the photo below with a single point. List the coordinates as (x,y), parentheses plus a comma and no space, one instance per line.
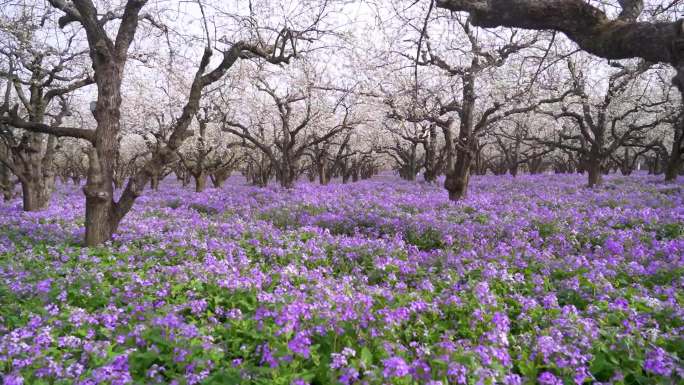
(174,203)
(204,209)
(429,239)
(547,229)
(670,231)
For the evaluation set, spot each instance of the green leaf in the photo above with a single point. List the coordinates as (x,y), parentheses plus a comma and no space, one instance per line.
(366,357)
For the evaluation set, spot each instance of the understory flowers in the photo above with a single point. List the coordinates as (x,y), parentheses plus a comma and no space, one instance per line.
(529,280)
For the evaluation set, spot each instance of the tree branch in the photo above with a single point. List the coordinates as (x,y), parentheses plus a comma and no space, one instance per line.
(13,119)
(583,23)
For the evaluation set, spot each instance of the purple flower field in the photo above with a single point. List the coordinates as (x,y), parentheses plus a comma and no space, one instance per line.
(530,280)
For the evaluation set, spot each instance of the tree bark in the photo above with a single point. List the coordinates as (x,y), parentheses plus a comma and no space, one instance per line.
(200,182)
(346,172)
(535,165)
(36,194)
(458,178)
(286,174)
(674,165)
(585,24)
(430,147)
(154,182)
(594,173)
(101,221)
(219,178)
(322,171)
(674,161)
(514,169)
(6,183)
(36,165)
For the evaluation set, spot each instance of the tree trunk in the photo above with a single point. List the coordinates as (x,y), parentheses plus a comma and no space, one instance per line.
(154,182)
(36,195)
(323,177)
(99,226)
(200,182)
(458,177)
(456,182)
(219,178)
(595,174)
(6,183)
(650,162)
(38,180)
(626,164)
(287,175)
(37,175)
(514,169)
(674,165)
(656,164)
(101,219)
(674,162)
(430,174)
(346,174)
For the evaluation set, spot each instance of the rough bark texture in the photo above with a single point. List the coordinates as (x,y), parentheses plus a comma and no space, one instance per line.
(583,23)
(431,162)
(323,177)
(37,175)
(200,182)
(219,177)
(676,156)
(458,177)
(594,173)
(154,181)
(6,185)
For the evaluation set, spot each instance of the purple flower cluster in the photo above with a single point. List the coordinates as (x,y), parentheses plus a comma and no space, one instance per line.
(529,280)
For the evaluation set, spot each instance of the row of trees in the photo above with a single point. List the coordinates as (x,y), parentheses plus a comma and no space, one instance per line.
(122,96)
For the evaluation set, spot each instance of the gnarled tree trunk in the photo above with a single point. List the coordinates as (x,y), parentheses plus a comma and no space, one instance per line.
(431,165)
(6,184)
(219,177)
(322,170)
(154,181)
(594,174)
(200,181)
(458,178)
(674,161)
(36,194)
